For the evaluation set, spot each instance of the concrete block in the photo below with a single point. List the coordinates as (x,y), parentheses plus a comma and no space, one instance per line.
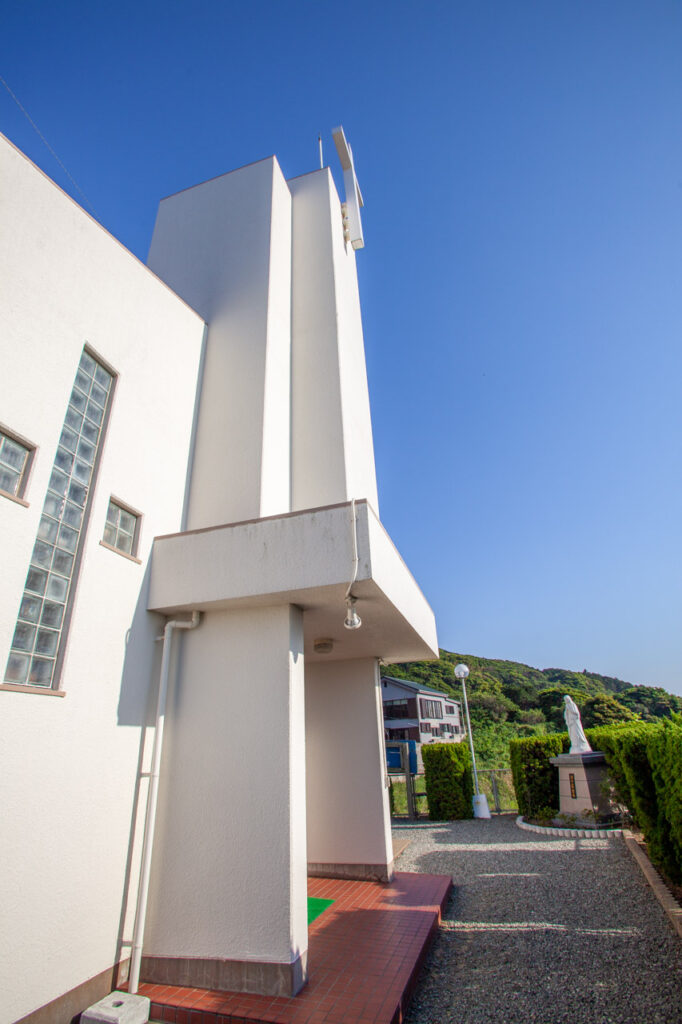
(118,1008)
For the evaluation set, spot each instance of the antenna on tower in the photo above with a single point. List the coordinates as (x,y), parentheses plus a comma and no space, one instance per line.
(319,142)
(352,221)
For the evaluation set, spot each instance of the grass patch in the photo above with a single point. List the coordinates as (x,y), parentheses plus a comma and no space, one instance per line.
(317,906)
(398,796)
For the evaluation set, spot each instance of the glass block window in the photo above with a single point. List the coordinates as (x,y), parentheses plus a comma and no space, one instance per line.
(40,627)
(121,528)
(15,461)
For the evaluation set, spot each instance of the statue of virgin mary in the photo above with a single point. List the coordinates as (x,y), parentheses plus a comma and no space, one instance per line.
(579,744)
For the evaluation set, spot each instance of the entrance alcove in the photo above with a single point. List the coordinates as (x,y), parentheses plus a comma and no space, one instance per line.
(256,710)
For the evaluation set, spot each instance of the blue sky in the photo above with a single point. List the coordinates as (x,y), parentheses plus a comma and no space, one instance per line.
(521,165)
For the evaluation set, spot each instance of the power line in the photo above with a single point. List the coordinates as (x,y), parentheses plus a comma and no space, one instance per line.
(41,136)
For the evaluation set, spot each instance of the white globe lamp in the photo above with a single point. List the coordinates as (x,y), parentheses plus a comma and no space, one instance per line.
(480,802)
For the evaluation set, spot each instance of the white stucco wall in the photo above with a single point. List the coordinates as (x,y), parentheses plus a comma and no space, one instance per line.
(229,875)
(332,449)
(225,247)
(285,418)
(68,766)
(348,811)
(271,557)
(229,871)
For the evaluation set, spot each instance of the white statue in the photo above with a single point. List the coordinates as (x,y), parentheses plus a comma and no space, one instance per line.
(579,744)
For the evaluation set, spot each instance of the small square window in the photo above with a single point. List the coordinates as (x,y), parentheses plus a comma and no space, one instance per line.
(122,528)
(16,456)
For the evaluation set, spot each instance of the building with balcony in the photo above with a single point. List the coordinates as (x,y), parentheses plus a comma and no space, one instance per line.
(414,712)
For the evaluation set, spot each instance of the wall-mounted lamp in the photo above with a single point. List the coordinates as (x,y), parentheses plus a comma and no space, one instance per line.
(352,620)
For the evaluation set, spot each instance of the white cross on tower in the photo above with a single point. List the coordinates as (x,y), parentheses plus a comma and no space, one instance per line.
(353,193)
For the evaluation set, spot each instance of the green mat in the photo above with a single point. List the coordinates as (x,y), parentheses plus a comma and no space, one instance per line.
(316,907)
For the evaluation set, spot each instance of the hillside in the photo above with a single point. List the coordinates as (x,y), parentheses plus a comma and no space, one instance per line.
(507,698)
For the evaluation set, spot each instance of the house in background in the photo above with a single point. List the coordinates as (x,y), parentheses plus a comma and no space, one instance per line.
(190,540)
(414,712)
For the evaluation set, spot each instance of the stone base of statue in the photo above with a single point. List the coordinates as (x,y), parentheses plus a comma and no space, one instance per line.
(582,792)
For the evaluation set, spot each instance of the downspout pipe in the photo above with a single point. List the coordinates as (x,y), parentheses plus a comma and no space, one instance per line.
(353,620)
(356,559)
(152,799)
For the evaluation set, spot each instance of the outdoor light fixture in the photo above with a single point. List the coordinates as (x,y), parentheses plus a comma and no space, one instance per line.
(323,645)
(352,620)
(480,801)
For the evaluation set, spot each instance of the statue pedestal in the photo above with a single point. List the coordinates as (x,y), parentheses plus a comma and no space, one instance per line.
(581,778)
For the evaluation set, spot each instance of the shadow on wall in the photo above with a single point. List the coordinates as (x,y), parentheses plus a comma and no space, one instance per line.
(137,707)
(142,662)
(140,680)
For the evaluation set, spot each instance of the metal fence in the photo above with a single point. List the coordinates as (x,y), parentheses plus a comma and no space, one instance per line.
(498,787)
(496,783)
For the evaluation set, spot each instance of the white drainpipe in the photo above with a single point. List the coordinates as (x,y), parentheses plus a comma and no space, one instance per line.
(152,796)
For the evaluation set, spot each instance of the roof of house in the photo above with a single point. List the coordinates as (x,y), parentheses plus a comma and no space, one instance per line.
(418,688)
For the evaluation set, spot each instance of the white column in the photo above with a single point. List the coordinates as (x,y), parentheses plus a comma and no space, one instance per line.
(349,826)
(228,902)
(225,248)
(332,456)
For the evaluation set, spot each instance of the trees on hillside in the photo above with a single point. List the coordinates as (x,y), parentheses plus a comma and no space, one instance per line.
(509,699)
(604,710)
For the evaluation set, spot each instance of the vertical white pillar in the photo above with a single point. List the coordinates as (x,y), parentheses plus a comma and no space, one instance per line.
(332,455)
(228,901)
(349,826)
(225,247)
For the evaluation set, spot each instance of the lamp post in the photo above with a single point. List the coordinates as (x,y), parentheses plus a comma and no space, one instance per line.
(480,801)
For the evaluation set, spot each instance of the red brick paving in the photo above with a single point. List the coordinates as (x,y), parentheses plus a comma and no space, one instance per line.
(364,953)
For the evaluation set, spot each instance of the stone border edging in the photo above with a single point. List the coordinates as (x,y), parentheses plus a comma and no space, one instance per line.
(670,905)
(571,833)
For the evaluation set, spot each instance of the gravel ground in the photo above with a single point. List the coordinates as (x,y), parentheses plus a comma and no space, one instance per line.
(541,929)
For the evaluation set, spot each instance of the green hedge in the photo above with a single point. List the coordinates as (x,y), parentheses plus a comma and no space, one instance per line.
(664,839)
(449,780)
(536,781)
(644,764)
(629,769)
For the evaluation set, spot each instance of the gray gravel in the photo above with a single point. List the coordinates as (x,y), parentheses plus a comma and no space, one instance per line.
(541,929)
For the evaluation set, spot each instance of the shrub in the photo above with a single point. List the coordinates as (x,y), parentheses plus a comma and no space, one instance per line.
(644,765)
(536,781)
(551,703)
(531,717)
(449,782)
(545,815)
(664,751)
(491,741)
(603,709)
(627,763)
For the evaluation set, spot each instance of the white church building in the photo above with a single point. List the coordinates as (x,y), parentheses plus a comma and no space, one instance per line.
(196,587)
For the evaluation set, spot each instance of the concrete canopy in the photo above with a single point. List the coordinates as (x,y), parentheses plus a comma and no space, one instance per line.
(305,559)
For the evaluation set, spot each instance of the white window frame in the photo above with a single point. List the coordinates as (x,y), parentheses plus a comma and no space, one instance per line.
(138,517)
(25,476)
